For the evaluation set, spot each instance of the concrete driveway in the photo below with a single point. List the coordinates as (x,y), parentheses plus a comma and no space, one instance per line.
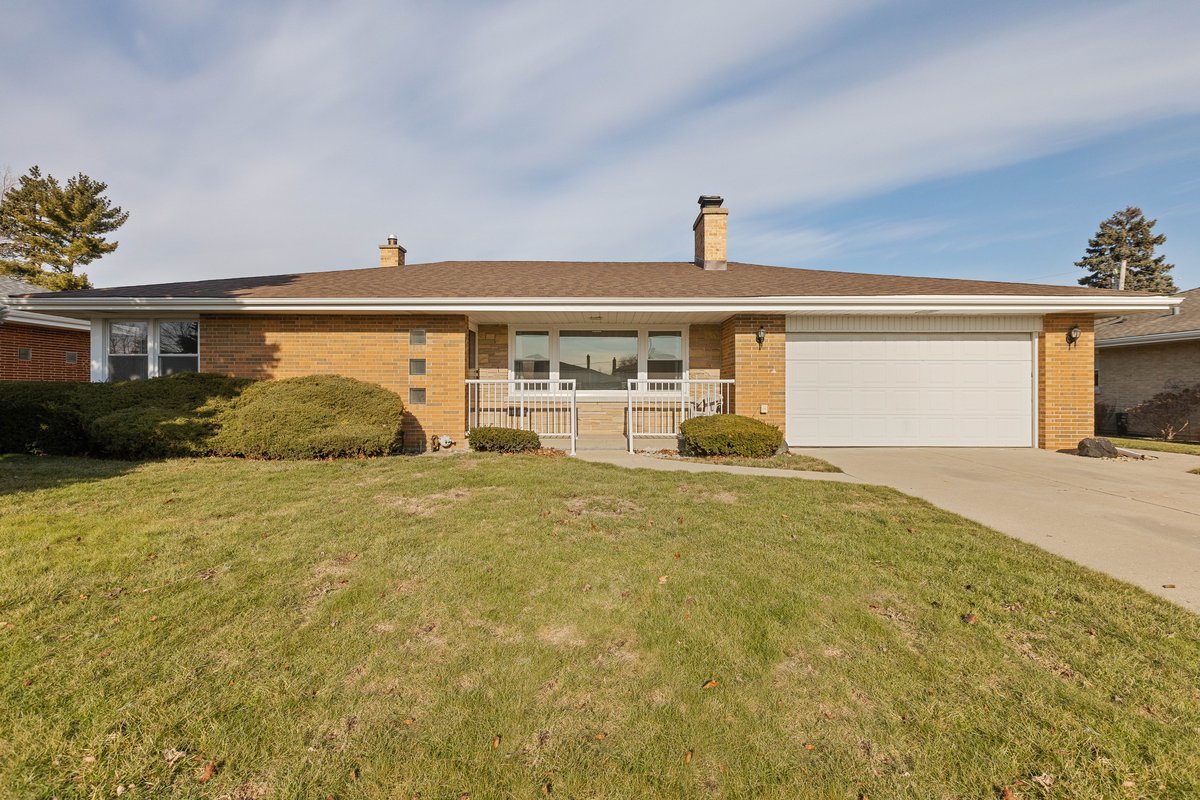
(1135,520)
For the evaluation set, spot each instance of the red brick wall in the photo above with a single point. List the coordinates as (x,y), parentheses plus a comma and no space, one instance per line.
(48,347)
(369,347)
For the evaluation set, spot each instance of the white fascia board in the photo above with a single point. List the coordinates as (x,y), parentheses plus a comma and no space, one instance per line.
(22,317)
(900,304)
(1149,338)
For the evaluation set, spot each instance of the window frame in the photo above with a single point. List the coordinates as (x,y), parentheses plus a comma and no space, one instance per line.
(643,348)
(153,368)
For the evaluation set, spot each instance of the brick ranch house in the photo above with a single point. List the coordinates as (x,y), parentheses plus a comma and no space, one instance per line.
(1139,356)
(40,347)
(832,358)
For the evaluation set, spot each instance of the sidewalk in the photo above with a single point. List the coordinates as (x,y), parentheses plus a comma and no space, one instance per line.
(620,458)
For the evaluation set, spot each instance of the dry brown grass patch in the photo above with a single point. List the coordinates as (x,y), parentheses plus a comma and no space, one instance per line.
(603,506)
(426,505)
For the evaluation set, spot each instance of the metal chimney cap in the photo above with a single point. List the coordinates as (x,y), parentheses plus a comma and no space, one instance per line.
(710,201)
(392,239)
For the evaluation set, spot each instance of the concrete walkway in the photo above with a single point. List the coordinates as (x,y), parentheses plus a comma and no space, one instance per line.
(622,458)
(1135,520)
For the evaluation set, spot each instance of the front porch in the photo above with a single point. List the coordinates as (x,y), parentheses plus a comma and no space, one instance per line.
(648,418)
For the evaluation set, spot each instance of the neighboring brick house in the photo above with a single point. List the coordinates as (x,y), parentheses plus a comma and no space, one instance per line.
(632,348)
(40,347)
(1140,356)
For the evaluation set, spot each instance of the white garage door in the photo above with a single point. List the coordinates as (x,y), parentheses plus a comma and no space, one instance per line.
(914,389)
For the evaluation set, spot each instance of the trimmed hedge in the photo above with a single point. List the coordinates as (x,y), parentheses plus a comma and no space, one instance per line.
(730,435)
(503,440)
(44,418)
(199,414)
(318,416)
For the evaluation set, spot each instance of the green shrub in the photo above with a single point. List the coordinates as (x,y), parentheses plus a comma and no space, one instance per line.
(730,435)
(175,415)
(43,417)
(141,432)
(319,416)
(503,440)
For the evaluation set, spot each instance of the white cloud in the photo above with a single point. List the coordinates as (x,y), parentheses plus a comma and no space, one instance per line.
(297,136)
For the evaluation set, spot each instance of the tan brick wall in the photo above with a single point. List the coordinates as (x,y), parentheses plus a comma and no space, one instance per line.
(369,347)
(1129,375)
(1066,411)
(710,230)
(47,350)
(704,352)
(759,371)
(493,352)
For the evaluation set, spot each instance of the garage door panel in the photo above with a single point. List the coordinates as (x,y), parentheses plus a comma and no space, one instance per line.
(918,389)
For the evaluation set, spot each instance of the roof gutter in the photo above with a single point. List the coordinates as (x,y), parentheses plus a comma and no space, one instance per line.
(1149,338)
(13,316)
(869,304)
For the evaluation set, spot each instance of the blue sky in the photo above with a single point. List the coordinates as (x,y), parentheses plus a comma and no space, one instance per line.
(976,140)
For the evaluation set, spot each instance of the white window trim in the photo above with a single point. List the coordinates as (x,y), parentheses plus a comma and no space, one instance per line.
(100,331)
(643,337)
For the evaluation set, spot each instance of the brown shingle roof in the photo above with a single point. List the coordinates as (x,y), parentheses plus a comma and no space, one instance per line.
(1153,323)
(549,279)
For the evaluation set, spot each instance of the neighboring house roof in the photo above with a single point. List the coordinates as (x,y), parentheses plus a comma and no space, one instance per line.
(665,286)
(10,287)
(1180,324)
(582,279)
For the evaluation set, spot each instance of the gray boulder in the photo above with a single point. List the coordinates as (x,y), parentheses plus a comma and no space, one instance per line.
(1097,447)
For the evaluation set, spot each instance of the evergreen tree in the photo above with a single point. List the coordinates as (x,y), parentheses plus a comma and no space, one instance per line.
(47,229)
(1127,236)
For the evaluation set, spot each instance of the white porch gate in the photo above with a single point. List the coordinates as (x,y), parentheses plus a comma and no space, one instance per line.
(656,408)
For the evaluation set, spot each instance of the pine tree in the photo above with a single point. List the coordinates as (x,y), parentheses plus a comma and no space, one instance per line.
(1127,236)
(47,230)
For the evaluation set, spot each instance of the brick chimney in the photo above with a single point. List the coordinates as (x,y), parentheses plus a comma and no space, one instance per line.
(710,233)
(391,254)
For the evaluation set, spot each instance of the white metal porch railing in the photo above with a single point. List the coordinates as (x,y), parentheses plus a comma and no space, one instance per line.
(546,407)
(657,408)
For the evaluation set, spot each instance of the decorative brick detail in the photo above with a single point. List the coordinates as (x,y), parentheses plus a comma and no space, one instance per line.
(1066,410)
(759,370)
(493,352)
(369,347)
(704,352)
(48,348)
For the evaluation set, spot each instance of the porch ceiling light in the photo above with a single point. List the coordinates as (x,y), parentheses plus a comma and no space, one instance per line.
(760,335)
(1073,335)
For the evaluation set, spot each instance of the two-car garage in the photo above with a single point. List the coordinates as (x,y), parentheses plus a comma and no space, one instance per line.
(911,381)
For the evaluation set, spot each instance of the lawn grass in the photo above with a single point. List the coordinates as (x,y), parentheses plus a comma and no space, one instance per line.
(793,461)
(520,626)
(1157,445)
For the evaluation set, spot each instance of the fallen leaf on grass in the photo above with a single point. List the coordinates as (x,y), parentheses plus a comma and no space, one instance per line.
(970,619)
(709,684)
(409,721)
(171,755)
(495,742)
(809,746)
(1168,586)
(600,736)
(206,773)
(662,579)
(687,757)
(1007,794)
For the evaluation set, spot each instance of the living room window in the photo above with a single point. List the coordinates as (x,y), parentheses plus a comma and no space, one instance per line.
(139,349)
(601,361)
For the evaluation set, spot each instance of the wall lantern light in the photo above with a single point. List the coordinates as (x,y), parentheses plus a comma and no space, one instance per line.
(760,335)
(1073,335)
